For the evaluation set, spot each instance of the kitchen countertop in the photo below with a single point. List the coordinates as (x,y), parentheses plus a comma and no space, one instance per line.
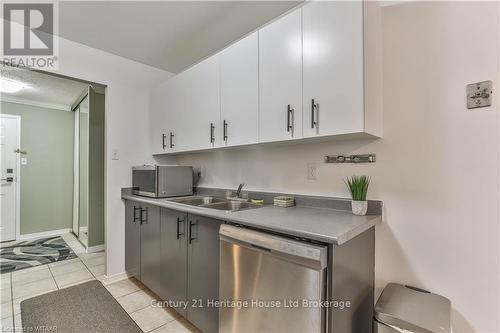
(320,224)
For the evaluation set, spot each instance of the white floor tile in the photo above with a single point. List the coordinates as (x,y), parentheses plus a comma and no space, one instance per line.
(98,270)
(151,318)
(5,283)
(70,267)
(136,300)
(35,288)
(29,270)
(5,295)
(7,324)
(86,256)
(63,262)
(177,326)
(73,277)
(124,287)
(41,274)
(6,309)
(95,261)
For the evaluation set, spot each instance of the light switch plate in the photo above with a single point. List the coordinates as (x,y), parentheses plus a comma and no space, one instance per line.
(115,154)
(479,94)
(24,160)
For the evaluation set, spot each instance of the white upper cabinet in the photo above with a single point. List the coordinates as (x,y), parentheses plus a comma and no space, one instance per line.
(280,79)
(203,123)
(333,68)
(315,72)
(239,88)
(158,119)
(178,106)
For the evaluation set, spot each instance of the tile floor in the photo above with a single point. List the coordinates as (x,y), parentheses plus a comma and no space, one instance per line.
(132,295)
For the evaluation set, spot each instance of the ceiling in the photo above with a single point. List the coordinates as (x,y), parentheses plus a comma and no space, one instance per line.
(170,35)
(43,89)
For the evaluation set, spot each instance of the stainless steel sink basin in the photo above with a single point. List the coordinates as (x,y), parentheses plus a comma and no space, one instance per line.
(231,206)
(197,201)
(216,203)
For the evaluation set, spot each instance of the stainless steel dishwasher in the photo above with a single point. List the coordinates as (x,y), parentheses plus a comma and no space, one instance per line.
(270,283)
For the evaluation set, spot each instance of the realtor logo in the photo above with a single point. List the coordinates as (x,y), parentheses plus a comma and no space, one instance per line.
(30,34)
(28,29)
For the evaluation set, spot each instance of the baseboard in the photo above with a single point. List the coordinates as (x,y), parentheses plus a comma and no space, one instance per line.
(96,248)
(45,234)
(115,278)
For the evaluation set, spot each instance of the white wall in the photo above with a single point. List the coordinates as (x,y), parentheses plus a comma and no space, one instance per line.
(438,164)
(127,122)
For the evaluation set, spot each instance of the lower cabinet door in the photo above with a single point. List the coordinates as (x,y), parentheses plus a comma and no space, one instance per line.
(173,284)
(150,247)
(203,272)
(132,239)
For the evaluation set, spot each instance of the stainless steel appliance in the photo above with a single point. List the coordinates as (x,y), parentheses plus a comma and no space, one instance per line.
(161,181)
(280,279)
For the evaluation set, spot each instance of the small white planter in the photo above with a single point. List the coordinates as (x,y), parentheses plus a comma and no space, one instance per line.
(359,207)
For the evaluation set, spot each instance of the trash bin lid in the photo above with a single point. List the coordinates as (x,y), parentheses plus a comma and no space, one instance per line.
(413,309)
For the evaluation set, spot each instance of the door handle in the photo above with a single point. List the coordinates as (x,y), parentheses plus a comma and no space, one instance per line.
(171,140)
(144,219)
(179,221)
(135,215)
(314,107)
(163,137)
(191,224)
(212,137)
(225,130)
(289,119)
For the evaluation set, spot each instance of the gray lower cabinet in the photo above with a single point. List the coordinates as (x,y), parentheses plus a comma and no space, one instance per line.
(176,255)
(173,285)
(132,239)
(150,247)
(203,272)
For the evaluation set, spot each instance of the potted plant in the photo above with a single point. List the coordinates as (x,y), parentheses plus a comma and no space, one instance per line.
(358,186)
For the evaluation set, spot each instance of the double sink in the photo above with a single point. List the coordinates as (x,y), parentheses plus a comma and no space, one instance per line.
(227,205)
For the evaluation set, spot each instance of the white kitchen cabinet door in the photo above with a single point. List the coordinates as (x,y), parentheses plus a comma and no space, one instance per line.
(158,120)
(239,84)
(280,79)
(333,67)
(204,120)
(178,113)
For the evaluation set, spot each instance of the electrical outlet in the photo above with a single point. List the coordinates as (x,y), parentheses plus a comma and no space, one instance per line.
(312,171)
(115,154)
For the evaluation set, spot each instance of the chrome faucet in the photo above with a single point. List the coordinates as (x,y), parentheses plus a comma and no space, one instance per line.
(238,191)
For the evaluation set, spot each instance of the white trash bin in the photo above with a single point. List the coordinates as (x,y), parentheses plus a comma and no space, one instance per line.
(405,309)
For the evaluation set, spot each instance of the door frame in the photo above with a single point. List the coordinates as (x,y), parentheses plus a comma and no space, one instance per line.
(18,174)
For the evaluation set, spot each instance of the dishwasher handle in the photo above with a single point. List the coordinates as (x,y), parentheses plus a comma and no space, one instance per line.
(312,255)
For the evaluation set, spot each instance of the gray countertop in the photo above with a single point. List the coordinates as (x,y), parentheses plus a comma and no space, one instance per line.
(320,224)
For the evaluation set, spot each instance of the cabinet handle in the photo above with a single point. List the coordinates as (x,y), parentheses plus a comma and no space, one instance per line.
(179,221)
(289,119)
(135,215)
(314,107)
(144,219)
(225,130)
(212,138)
(163,137)
(171,140)
(191,238)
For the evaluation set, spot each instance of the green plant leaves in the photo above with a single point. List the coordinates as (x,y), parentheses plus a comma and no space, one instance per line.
(358,186)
